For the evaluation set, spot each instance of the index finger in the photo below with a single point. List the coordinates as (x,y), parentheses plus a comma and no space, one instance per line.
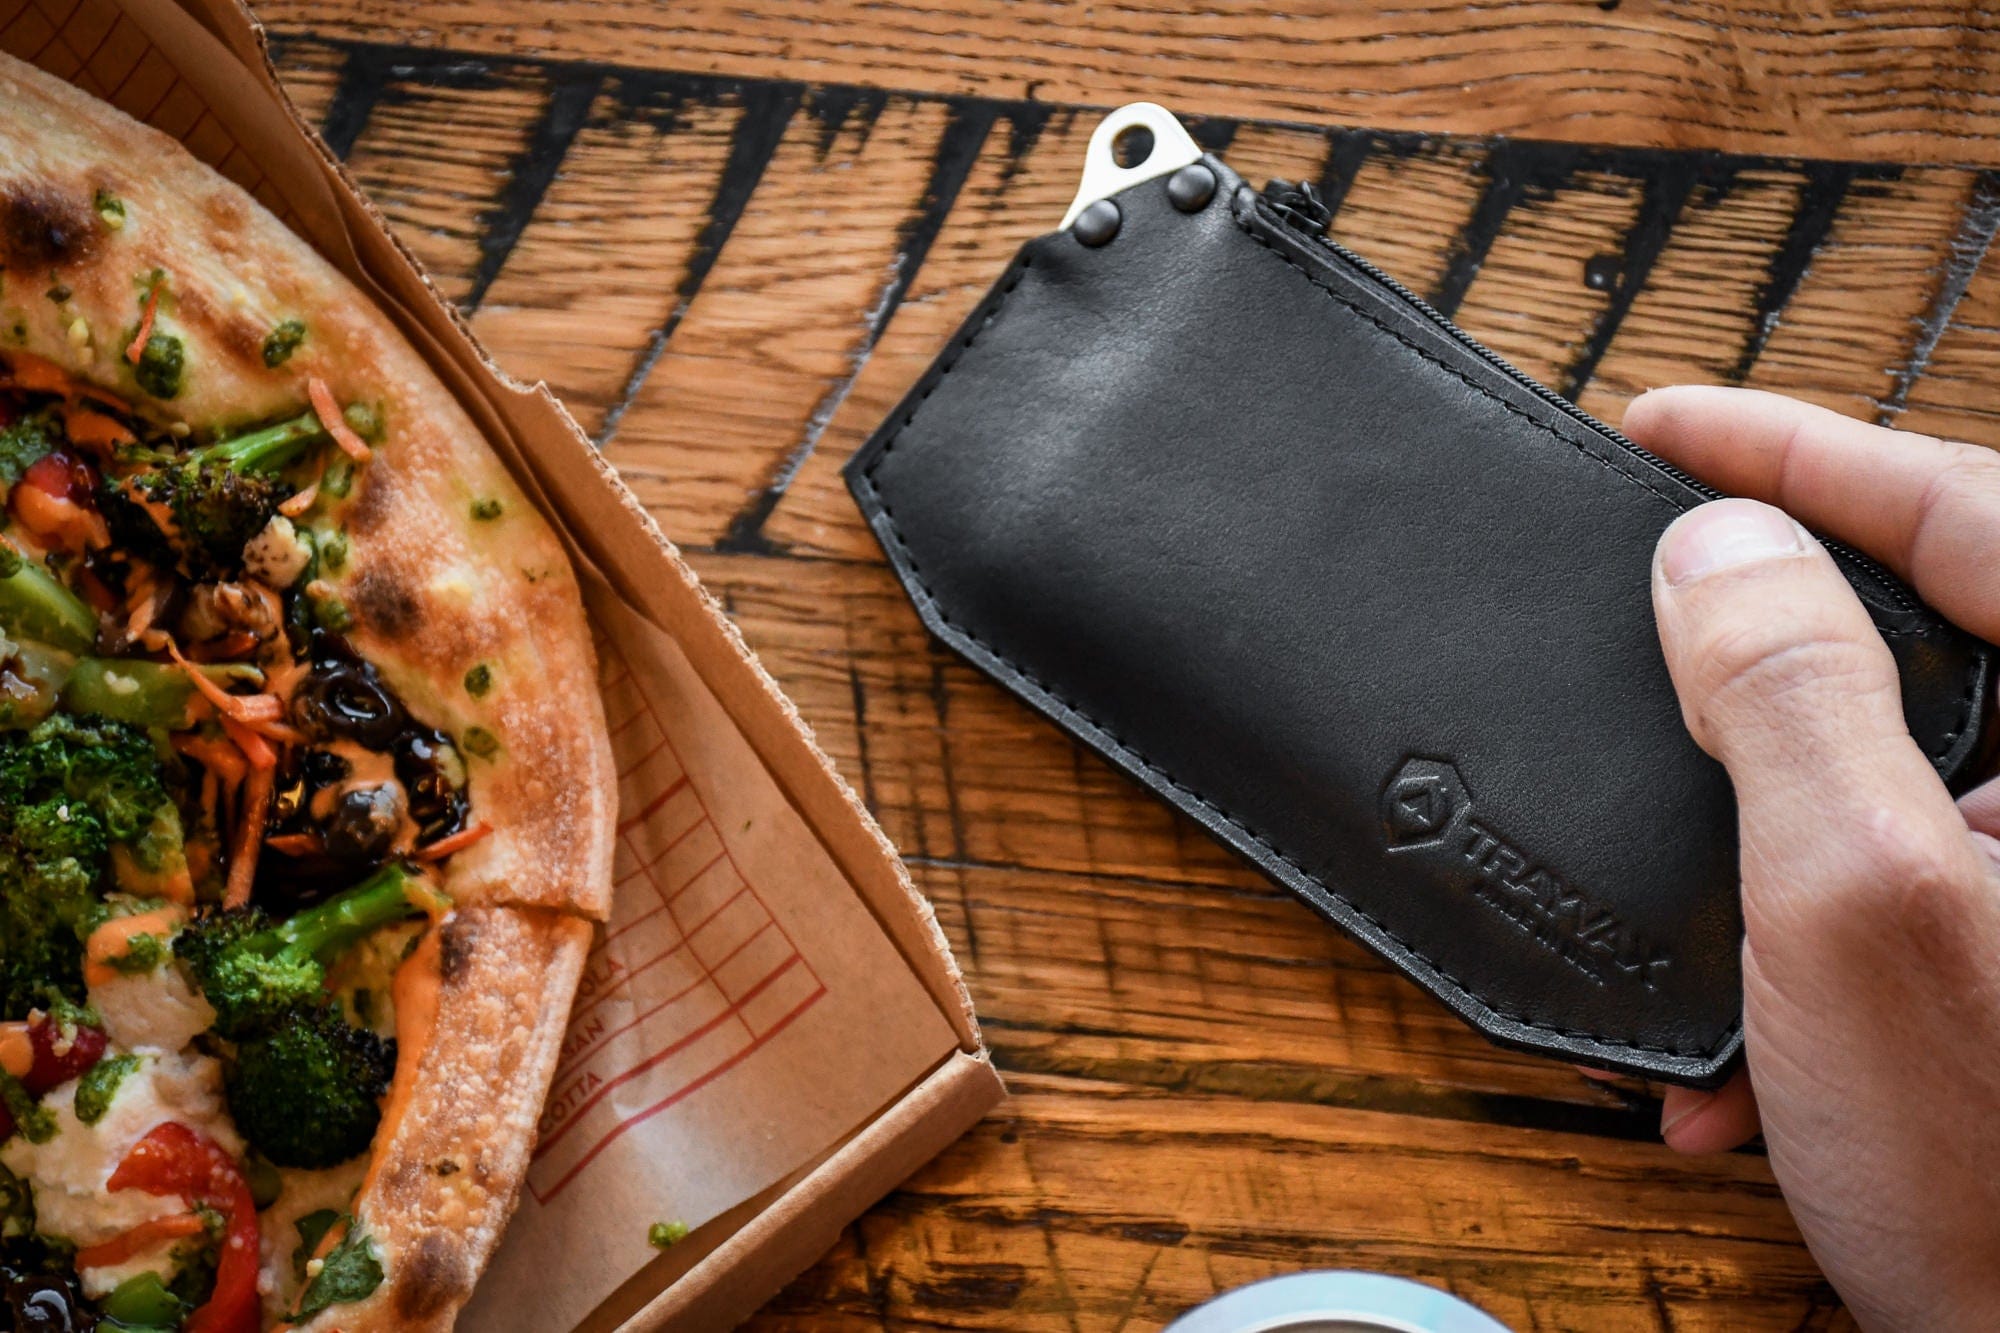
(1927,508)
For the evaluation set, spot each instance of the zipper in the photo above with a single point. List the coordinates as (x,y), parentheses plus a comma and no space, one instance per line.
(1298,209)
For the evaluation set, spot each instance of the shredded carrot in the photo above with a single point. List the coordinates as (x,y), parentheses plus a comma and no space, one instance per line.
(38,375)
(220,758)
(296,844)
(250,709)
(336,425)
(301,502)
(142,618)
(139,596)
(457,842)
(227,648)
(259,708)
(142,1237)
(93,429)
(249,828)
(255,748)
(17,1053)
(138,343)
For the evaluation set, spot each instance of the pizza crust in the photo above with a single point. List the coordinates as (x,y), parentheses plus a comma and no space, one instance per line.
(446,1173)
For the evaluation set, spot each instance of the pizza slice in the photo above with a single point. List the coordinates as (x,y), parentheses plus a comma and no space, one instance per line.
(306,802)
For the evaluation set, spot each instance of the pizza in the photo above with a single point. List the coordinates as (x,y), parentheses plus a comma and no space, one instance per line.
(306,801)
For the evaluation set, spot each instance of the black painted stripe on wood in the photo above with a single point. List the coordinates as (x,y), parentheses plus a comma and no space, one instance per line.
(1515,169)
(1969,244)
(1213,133)
(1346,150)
(833,105)
(1026,122)
(767,109)
(1669,178)
(1825,190)
(355,93)
(571,95)
(966,129)
(1669,185)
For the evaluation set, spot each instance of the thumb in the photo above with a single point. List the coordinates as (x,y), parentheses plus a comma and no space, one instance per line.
(1784,679)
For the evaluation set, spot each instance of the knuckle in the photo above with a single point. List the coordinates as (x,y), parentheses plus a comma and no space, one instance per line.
(1913,889)
(1763,670)
(1893,858)
(1961,494)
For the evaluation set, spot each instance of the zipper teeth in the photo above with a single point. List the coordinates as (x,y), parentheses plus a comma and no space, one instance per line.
(1842,553)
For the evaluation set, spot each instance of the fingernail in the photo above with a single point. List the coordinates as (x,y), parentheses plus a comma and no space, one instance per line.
(1689,1108)
(1723,535)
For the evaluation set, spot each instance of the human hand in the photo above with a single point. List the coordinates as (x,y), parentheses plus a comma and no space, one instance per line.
(1871,901)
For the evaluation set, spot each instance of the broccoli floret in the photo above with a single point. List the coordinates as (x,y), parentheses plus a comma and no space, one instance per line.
(112,767)
(27,441)
(217,511)
(69,789)
(308,1092)
(133,530)
(222,495)
(252,972)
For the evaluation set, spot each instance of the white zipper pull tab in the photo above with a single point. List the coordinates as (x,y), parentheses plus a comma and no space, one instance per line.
(1122,134)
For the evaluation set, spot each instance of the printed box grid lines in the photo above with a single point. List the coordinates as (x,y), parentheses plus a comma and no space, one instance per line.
(693,972)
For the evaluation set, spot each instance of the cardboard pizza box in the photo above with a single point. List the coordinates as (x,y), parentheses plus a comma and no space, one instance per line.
(771,1033)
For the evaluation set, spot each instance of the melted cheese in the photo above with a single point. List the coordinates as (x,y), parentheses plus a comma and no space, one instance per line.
(69,1172)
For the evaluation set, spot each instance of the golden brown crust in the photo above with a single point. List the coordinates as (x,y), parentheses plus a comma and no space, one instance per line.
(435,592)
(447,1170)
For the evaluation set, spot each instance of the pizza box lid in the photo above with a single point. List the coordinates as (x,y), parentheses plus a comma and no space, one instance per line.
(771,1032)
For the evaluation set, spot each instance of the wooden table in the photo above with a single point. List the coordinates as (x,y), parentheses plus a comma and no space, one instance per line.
(730,235)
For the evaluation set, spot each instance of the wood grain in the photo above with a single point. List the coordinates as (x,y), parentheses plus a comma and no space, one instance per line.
(586,328)
(733,237)
(1096,1208)
(1882,78)
(837,188)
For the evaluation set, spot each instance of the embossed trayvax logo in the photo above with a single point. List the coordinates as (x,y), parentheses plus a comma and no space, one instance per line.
(1427,812)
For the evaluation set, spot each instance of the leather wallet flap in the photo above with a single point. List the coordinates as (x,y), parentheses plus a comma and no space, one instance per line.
(1372,608)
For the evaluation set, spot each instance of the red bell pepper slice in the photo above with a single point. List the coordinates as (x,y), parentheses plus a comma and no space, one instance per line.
(173,1159)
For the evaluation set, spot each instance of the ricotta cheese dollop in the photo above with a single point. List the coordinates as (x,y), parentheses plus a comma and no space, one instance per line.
(70,1171)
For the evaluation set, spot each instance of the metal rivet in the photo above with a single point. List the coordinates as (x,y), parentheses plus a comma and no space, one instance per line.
(1191,187)
(1098,223)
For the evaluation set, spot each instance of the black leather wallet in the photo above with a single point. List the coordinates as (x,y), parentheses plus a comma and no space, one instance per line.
(1253,522)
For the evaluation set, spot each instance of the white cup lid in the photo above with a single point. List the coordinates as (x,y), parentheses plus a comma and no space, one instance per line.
(1336,1303)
